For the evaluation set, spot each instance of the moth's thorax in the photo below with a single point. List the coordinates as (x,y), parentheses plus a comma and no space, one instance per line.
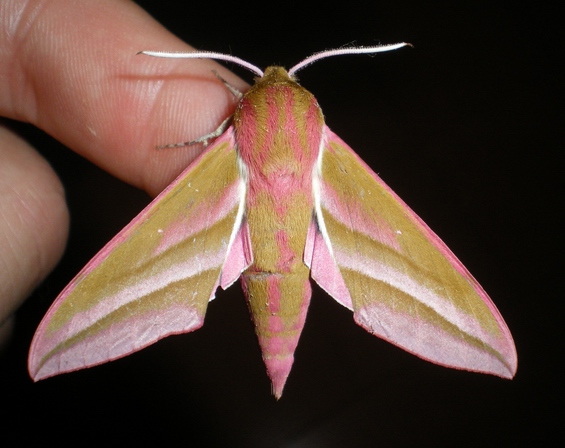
(278,126)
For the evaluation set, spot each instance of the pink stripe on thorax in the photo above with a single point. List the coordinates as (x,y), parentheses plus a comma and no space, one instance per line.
(287,257)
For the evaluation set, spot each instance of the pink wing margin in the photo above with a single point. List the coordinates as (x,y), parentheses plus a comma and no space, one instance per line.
(156,277)
(377,257)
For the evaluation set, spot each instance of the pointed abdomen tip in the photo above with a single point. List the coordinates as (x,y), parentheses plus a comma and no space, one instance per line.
(278,370)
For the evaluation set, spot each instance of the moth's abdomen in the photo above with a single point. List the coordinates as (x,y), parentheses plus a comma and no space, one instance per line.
(278,303)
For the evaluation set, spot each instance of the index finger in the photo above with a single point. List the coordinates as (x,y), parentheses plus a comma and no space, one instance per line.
(71,69)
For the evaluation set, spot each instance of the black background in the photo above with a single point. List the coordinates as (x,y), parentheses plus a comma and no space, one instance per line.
(467,128)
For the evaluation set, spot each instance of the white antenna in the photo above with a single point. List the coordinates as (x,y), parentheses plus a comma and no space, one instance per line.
(309,60)
(349,50)
(205,55)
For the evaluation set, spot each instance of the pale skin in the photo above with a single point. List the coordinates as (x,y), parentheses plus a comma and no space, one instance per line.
(71,69)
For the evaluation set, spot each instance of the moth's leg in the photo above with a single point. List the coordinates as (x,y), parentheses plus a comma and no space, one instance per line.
(205,139)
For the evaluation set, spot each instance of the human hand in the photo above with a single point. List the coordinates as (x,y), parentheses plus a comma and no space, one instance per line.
(71,69)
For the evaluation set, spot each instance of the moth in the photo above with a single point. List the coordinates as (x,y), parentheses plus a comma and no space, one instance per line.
(276,200)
